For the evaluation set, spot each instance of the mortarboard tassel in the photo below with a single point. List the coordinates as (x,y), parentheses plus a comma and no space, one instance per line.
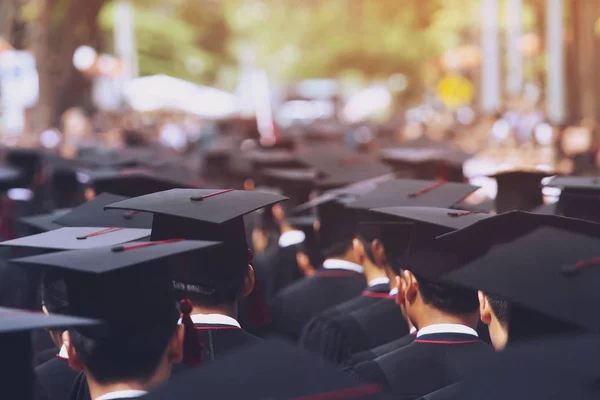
(192,341)
(258,310)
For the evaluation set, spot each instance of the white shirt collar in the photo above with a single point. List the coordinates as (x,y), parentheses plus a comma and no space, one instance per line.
(379,281)
(394,291)
(63,352)
(413,330)
(291,238)
(447,328)
(122,394)
(214,319)
(334,263)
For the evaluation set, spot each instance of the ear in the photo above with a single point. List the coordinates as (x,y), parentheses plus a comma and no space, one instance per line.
(278,213)
(249,282)
(304,264)
(400,293)
(379,253)
(175,348)
(74,360)
(411,287)
(485,309)
(358,249)
(45,309)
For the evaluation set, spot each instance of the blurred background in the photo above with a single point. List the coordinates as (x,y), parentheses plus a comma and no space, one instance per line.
(509,82)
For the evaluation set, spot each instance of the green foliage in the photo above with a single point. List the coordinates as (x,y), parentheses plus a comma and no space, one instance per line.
(178,38)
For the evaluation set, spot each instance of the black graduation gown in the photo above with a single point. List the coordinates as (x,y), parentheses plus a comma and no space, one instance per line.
(295,305)
(277,268)
(448,393)
(362,329)
(54,380)
(371,354)
(424,366)
(220,339)
(312,335)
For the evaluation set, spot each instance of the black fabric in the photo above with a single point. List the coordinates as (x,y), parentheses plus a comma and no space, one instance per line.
(361,329)
(294,306)
(371,354)
(311,337)
(54,379)
(277,267)
(46,354)
(424,366)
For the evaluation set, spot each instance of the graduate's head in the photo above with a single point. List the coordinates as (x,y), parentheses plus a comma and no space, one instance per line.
(495,313)
(217,277)
(423,296)
(426,293)
(53,293)
(130,289)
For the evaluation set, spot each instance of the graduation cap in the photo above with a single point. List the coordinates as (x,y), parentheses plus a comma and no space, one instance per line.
(27,161)
(579,198)
(122,158)
(206,214)
(423,256)
(15,320)
(297,184)
(273,158)
(475,239)
(426,162)
(519,190)
(556,271)
(92,213)
(9,177)
(45,222)
(346,194)
(410,193)
(132,182)
(79,238)
(549,369)
(112,283)
(339,166)
(268,369)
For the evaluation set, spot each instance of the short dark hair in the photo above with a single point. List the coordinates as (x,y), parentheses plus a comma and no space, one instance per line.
(123,356)
(449,299)
(526,325)
(53,293)
(338,248)
(220,282)
(500,307)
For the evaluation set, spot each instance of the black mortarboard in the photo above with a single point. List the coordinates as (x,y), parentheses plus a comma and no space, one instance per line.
(549,270)
(338,166)
(445,218)
(297,184)
(121,158)
(44,222)
(128,286)
(9,177)
(79,238)
(425,257)
(132,182)
(273,158)
(519,190)
(345,194)
(579,198)
(475,239)
(15,320)
(426,163)
(548,209)
(411,193)
(204,214)
(92,213)
(549,369)
(268,369)
(27,161)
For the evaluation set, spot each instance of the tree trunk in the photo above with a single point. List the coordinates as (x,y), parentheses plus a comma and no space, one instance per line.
(61,85)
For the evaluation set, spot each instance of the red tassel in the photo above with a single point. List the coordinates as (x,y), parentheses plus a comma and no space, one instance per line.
(192,340)
(258,310)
